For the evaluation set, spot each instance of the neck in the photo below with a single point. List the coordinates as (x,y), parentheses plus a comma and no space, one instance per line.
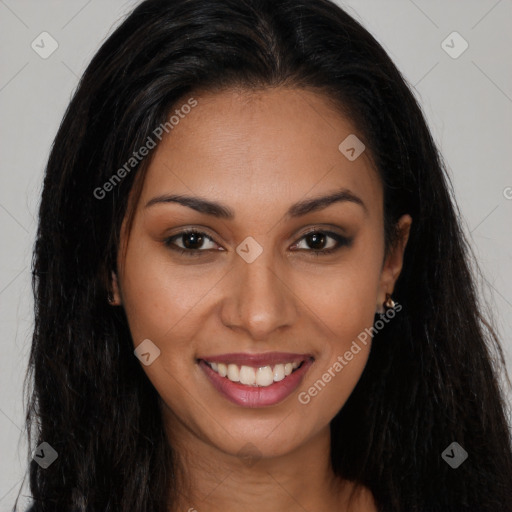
(215,481)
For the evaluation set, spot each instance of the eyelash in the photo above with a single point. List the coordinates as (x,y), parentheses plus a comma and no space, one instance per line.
(341,242)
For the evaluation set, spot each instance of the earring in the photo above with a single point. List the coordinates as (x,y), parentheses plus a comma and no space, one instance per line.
(110,298)
(389,303)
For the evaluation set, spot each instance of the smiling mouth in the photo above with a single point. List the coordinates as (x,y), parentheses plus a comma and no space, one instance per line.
(262,376)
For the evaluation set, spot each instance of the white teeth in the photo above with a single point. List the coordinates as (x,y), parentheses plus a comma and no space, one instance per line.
(264,376)
(233,373)
(279,372)
(222,369)
(247,375)
(250,376)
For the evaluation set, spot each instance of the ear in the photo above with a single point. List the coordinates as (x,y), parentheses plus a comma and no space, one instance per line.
(394,261)
(115,293)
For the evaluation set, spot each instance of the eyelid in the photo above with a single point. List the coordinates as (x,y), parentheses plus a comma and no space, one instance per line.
(323,229)
(200,229)
(327,230)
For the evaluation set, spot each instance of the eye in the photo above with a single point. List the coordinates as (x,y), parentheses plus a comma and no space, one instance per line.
(322,242)
(190,242)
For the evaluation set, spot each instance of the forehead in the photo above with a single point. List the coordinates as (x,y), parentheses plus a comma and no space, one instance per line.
(258,149)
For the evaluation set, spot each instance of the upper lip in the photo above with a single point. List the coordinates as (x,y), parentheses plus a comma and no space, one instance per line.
(257,360)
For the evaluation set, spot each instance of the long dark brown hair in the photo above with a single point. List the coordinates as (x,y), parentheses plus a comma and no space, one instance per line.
(431,378)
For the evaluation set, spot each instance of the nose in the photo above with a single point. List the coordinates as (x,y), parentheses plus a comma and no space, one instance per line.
(259,298)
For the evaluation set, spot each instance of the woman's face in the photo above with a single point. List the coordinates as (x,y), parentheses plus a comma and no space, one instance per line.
(248,288)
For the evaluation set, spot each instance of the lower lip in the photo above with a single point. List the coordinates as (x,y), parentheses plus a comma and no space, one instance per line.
(256,396)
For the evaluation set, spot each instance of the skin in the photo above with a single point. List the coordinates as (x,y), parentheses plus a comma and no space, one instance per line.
(256,153)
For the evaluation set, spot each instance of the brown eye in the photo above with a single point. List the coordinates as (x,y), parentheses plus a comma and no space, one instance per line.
(316,240)
(322,242)
(190,242)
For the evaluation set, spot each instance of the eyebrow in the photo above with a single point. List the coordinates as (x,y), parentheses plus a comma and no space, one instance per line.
(296,210)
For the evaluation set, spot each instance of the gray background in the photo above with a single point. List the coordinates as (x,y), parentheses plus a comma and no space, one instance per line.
(467,101)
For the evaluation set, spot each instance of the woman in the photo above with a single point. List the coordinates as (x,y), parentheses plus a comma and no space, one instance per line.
(252,289)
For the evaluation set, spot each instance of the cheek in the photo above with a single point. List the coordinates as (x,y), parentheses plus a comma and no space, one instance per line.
(160,298)
(344,329)
(160,301)
(330,386)
(343,297)
(344,305)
